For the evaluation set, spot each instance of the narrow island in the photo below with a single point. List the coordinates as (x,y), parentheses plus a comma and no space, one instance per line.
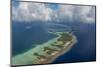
(48,51)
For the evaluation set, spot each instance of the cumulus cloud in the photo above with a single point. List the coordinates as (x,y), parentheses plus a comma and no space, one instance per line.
(85,14)
(28,11)
(31,12)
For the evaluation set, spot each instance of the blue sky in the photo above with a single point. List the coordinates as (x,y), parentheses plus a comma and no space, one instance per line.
(31,11)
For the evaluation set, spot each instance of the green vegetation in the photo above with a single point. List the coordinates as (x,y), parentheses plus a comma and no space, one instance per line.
(59,46)
(65,37)
(49,50)
(40,56)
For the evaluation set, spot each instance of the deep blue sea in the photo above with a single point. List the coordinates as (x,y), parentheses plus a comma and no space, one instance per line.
(84,49)
(27,35)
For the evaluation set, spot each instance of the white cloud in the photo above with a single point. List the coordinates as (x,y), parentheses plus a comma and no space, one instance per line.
(27,11)
(31,12)
(86,14)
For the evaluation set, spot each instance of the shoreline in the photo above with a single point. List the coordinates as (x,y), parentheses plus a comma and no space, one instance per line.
(65,50)
(28,58)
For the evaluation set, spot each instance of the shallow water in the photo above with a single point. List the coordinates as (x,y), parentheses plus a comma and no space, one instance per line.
(27,36)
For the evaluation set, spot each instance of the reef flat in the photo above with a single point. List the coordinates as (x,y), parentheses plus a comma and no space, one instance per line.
(48,51)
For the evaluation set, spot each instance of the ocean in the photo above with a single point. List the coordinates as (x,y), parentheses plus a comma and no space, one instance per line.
(24,39)
(85,49)
(28,35)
